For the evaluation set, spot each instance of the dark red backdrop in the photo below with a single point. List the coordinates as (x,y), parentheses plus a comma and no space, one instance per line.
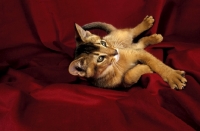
(37,92)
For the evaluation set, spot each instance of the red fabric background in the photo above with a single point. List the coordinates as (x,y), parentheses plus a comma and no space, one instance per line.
(36,46)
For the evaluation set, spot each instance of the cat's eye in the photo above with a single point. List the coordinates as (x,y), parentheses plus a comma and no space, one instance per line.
(103,43)
(100,58)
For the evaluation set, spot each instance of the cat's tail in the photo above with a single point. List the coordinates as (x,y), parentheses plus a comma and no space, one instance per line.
(99,25)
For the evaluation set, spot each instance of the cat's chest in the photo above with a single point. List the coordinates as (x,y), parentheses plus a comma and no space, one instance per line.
(127,58)
(127,64)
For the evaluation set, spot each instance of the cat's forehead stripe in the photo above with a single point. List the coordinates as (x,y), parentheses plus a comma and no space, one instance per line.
(86,48)
(95,53)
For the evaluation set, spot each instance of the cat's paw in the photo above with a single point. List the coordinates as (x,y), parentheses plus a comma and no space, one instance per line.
(133,75)
(156,38)
(148,21)
(129,81)
(176,79)
(126,85)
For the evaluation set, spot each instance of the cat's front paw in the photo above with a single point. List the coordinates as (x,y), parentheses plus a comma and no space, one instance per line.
(148,21)
(176,79)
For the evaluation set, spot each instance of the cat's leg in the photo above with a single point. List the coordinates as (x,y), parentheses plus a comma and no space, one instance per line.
(133,75)
(149,40)
(175,78)
(143,26)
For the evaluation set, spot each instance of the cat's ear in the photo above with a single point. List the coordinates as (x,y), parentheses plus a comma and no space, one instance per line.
(76,68)
(80,33)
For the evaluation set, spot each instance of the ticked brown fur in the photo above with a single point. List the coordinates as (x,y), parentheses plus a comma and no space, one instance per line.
(114,61)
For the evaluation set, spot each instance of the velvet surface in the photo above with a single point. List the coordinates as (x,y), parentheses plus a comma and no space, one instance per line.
(36,46)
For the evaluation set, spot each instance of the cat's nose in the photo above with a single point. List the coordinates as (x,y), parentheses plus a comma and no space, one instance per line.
(110,51)
(116,52)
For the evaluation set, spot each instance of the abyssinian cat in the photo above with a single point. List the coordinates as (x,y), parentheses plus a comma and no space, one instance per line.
(113,60)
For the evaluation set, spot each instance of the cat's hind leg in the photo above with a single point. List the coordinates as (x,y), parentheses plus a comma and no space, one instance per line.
(149,40)
(143,26)
(133,75)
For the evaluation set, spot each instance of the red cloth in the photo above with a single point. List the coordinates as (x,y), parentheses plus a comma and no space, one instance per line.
(36,46)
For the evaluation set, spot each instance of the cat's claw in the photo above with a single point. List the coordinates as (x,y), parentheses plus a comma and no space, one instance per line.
(176,79)
(148,21)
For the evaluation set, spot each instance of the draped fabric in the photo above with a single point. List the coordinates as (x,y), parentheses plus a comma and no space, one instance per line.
(37,44)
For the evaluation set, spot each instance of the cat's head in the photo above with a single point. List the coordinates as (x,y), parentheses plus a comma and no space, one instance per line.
(93,56)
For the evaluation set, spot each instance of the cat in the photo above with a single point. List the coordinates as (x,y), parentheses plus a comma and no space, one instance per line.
(114,61)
